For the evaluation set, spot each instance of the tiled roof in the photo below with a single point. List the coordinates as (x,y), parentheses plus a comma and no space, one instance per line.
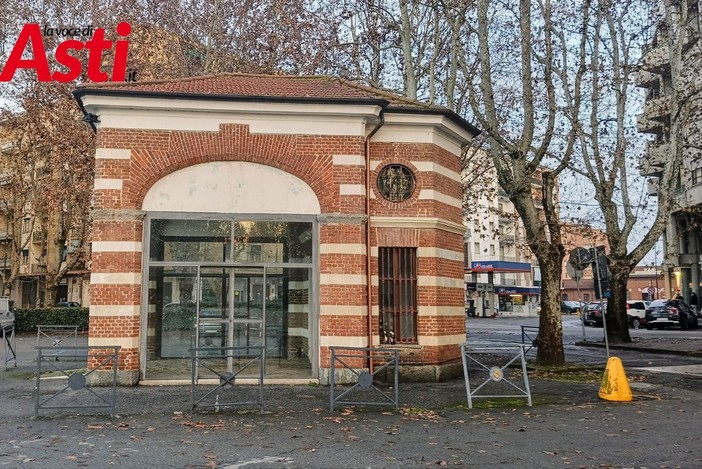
(264,86)
(270,87)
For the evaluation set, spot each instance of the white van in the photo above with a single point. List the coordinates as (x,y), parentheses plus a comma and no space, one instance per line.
(636,312)
(7,316)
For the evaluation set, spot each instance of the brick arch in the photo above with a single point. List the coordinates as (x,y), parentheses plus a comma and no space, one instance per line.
(308,158)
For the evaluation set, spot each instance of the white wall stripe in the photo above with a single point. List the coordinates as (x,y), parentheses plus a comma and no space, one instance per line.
(105,183)
(352,189)
(430,166)
(298,332)
(343,249)
(115,310)
(116,246)
(432,310)
(342,310)
(124,342)
(298,308)
(430,252)
(436,281)
(431,194)
(418,222)
(341,279)
(113,154)
(115,278)
(436,340)
(348,160)
(342,341)
(433,281)
(441,311)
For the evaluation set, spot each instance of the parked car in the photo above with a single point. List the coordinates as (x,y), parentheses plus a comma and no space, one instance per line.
(67,304)
(664,313)
(571,307)
(636,312)
(593,314)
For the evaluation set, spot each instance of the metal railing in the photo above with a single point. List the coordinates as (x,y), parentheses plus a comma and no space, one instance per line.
(79,363)
(530,337)
(215,365)
(364,379)
(490,367)
(56,336)
(9,348)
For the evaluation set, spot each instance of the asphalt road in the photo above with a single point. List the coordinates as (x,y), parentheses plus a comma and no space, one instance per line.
(510,330)
(568,426)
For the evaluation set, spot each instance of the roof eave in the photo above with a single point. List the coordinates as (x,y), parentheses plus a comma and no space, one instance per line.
(451,115)
(79,93)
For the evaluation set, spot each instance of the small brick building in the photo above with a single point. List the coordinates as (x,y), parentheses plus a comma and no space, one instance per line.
(233,210)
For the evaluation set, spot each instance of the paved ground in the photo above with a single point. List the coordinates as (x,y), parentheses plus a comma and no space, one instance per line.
(568,426)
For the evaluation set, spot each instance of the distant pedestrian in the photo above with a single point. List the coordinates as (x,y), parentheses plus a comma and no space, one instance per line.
(693,301)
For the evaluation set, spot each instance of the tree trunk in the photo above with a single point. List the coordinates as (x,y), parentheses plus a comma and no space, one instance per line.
(50,293)
(617,323)
(550,349)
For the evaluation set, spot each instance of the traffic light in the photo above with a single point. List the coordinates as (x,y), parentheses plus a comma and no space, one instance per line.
(600,270)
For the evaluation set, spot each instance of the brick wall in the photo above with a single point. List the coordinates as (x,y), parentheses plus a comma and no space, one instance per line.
(129,162)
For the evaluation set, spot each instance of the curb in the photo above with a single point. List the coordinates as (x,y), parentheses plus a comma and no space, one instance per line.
(634,348)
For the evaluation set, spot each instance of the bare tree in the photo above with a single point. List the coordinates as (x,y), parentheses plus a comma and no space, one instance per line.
(609,141)
(514,93)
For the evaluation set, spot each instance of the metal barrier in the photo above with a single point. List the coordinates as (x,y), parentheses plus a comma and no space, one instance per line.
(364,379)
(496,373)
(55,336)
(216,363)
(75,393)
(530,337)
(8,341)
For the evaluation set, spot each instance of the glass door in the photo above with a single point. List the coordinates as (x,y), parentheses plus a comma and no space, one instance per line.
(230,308)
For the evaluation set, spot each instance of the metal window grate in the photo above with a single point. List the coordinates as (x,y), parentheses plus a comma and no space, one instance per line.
(397,295)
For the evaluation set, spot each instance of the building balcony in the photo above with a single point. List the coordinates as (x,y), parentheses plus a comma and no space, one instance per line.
(38,236)
(654,161)
(652,187)
(4,263)
(656,59)
(658,109)
(5,236)
(507,239)
(645,79)
(38,268)
(649,126)
(694,195)
(501,194)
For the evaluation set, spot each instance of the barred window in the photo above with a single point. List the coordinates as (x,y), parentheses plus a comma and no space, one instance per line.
(397,295)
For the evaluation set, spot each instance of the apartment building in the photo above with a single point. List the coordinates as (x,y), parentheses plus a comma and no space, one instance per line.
(683,234)
(26,234)
(502,276)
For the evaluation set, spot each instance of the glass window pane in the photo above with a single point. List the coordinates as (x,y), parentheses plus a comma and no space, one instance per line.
(171,312)
(190,240)
(269,241)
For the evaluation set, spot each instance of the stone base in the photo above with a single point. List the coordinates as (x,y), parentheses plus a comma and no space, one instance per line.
(406,374)
(428,373)
(341,376)
(104,378)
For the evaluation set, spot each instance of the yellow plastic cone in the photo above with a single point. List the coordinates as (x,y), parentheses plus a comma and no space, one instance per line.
(615,385)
